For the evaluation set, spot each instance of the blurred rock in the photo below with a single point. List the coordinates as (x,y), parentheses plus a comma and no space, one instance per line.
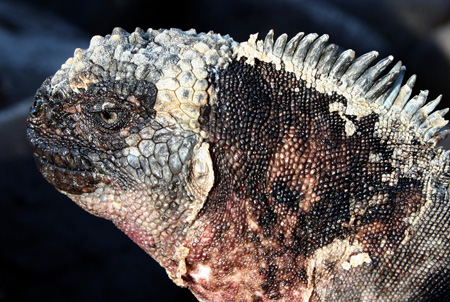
(441,37)
(33,45)
(12,131)
(421,16)
(430,59)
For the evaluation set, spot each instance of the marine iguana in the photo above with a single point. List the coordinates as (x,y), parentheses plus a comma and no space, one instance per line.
(268,170)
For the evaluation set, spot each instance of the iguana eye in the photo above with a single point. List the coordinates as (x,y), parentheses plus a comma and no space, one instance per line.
(109,117)
(110,120)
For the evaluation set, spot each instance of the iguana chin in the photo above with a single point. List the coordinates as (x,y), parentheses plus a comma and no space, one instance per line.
(268,170)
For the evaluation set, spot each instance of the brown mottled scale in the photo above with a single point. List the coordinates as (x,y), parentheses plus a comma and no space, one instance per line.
(256,171)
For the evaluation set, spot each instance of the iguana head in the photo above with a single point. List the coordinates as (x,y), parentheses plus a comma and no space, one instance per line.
(117,130)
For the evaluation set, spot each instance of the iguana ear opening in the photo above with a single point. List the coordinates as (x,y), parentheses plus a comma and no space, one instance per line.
(201,177)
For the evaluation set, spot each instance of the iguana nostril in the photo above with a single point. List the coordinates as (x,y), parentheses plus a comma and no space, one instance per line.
(37,108)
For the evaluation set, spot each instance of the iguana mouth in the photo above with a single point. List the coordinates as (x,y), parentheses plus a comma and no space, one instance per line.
(68,170)
(67,180)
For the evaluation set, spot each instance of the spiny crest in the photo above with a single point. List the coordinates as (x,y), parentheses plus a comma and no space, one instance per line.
(365,85)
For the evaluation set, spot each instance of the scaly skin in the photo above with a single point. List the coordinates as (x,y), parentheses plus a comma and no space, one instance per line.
(256,171)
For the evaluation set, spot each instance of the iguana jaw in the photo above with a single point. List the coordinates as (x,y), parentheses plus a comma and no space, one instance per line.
(70,181)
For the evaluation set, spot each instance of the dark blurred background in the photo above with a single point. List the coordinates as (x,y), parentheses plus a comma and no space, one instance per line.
(51,250)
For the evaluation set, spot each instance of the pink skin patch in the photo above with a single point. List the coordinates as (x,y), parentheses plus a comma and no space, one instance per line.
(139,235)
